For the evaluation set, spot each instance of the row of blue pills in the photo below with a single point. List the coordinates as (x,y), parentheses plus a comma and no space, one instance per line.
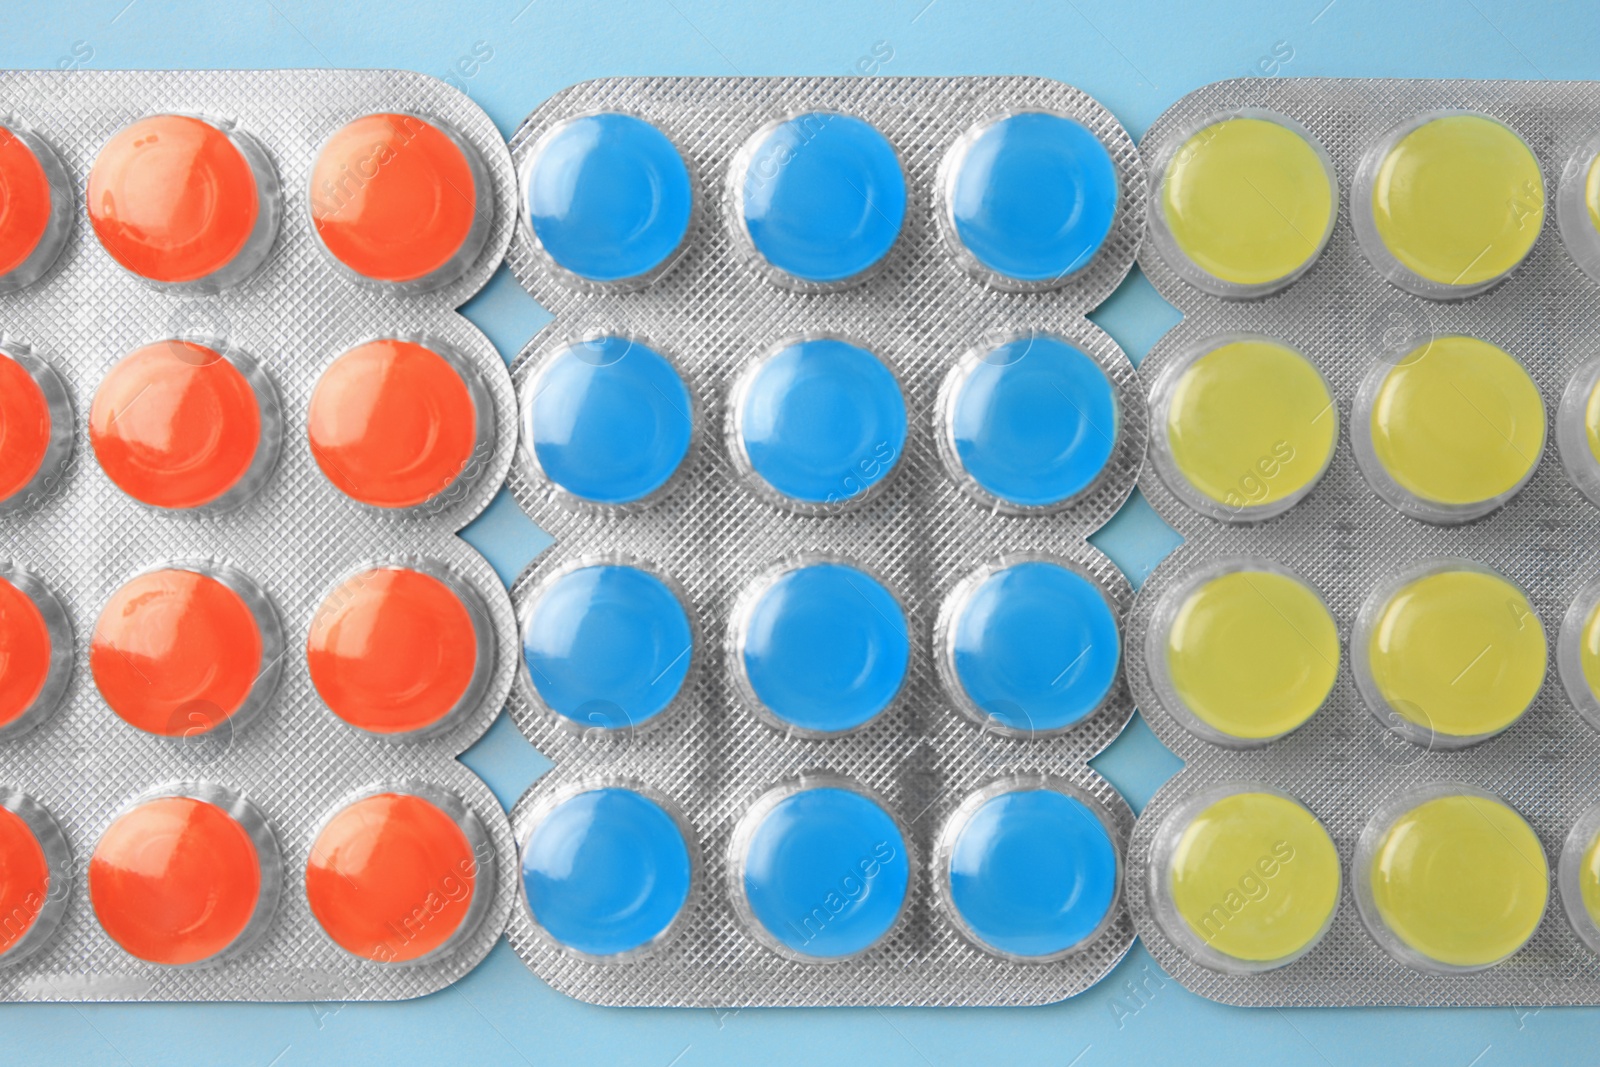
(821,871)
(821,198)
(822,647)
(1030,422)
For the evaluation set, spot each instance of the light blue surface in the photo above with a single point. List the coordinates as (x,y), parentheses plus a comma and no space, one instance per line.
(606,871)
(1033,872)
(607,646)
(825,872)
(609,419)
(825,648)
(1034,421)
(608,197)
(1034,196)
(1035,647)
(822,420)
(1136,57)
(823,196)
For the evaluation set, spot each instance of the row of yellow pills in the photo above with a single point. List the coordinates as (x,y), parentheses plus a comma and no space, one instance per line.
(1447,653)
(1446,429)
(1447,204)
(1447,878)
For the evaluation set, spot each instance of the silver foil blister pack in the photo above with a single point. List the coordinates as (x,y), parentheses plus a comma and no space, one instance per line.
(285,542)
(1360,316)
(716,535)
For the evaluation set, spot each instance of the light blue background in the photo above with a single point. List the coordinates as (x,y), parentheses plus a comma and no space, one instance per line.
(1137,56)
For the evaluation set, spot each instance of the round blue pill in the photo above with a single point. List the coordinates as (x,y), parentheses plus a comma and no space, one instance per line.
(1033,196)
(608,420)
(825,647)
(825,872)
(1034,421)
(822,196)
(1035,646)
(1033,873)
(608,197)
(822,420)
(606,871)
(607,646)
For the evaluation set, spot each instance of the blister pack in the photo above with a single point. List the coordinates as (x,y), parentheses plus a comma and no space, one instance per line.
(820,428)
(240,647)
(1377,428)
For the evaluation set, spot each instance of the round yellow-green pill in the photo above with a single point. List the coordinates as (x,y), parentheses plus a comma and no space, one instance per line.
(1589,650)
(1589,881)
(1457,422)
(1591,422)
(1252,653)
(1249,201)
(1255,877)
(1458,653)
(1591,193)
(1250,424)
(1458,200)
(1460,880)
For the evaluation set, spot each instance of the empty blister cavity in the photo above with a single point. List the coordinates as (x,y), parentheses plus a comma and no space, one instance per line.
(819,870)
(1029,647)
(607,645)
(608,199)
(400,874)
(186,648)
(1245,204)
(35,875)
(607,420)
(36,427)
(1448,204)
(184,202)
(818,422)
(1450,878)
(819,647)
(36,202)
(186,875)
(185,425)
(1028,424)
(1027,200)
(1243,878)
(1448,429)
(401,651)
(1243,427)
(1028,869)
(397,423)
(1242,652)
(400,202)
(608,870)
(1448,653)
(819,198)
(36,651)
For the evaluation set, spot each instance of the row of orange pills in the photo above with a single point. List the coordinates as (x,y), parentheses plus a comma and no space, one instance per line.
(185,648)
(396,201)
(180,425)
(192,874)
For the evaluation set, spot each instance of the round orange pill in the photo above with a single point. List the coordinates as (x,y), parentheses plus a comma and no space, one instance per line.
(177,652)
(32,225)
(175,880)
(24,879)
(392,877)
(177,424)
(26,427)
(176,199)
(393,423)
(25,659)
(398,200)
(393,650)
